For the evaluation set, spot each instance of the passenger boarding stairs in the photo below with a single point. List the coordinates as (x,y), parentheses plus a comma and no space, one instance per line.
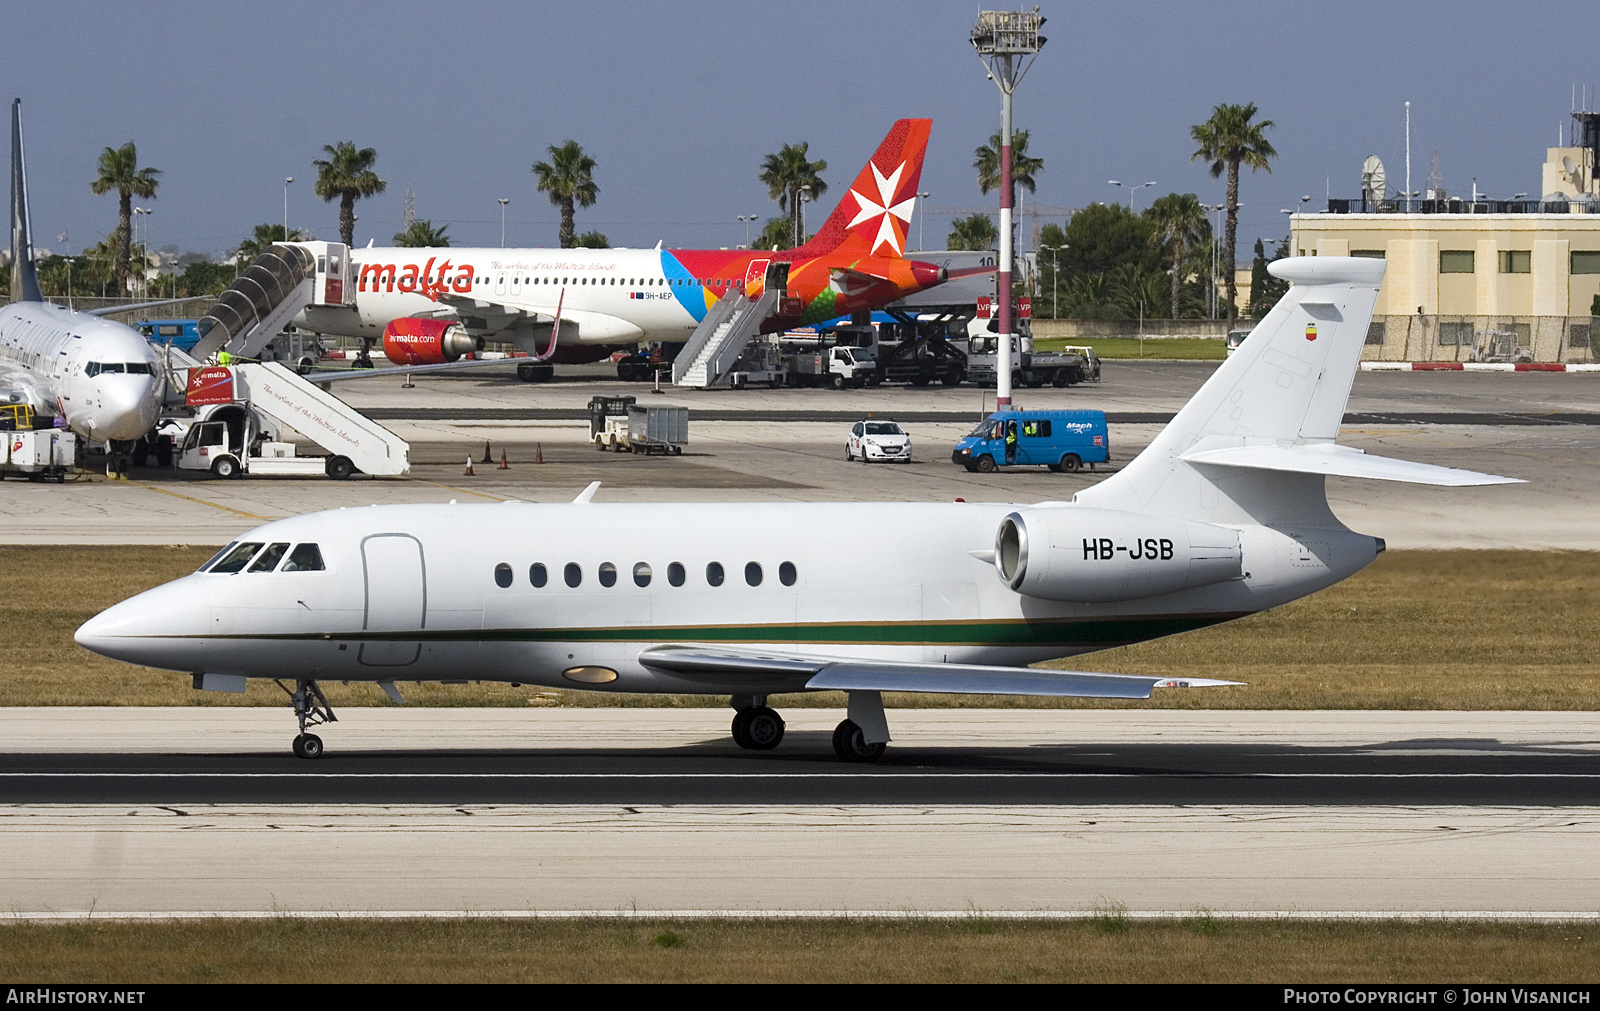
(276,392)
(270,292)
(721,337)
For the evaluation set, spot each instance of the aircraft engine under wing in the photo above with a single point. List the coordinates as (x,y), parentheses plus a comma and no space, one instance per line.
(830,673)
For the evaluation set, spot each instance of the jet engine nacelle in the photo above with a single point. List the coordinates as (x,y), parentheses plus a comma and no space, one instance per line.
(410,341)
(1097,555)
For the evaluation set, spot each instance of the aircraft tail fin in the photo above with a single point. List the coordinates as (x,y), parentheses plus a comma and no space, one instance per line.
(24,272)
(875,213)
(1285,387)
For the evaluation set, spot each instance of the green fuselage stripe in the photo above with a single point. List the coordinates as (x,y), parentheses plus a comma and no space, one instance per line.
(1079,632)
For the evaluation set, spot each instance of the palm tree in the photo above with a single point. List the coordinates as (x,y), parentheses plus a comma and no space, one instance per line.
(592,240)
(1227,139)
(1181,222)
(975,232)
(791,178)
(986,160)
(347,176)
(262,239)
(422,234)
(120,171)
(569,178)
(777,233)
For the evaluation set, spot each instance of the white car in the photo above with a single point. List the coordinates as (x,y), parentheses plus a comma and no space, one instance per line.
(1235,338)
(883,441)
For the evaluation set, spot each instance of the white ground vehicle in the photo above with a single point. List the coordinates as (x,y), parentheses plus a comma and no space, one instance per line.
(220,446)
(838,367)
(35,453)
(877,440)
(1235,338)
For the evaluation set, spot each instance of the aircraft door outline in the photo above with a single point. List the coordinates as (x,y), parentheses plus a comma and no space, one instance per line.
(395,597)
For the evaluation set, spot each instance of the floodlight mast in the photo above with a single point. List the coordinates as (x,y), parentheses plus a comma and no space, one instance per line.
(1007,42)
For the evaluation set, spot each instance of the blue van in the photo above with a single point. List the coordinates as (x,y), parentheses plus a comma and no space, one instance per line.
(183,333)
(1060,440)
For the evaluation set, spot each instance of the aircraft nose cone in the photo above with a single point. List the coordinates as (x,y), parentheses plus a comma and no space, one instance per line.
(128,408)
(162,627)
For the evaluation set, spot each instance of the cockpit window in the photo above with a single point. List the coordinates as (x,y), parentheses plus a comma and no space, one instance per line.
(136,368)
(304,558)
(225,549)
(269,558)
(238,558)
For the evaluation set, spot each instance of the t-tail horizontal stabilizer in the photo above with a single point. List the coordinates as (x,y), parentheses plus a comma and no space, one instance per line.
(1342,461)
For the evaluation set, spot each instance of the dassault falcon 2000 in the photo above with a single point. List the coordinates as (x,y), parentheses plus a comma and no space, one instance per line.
(419,299)
(100,377)
(1222,516)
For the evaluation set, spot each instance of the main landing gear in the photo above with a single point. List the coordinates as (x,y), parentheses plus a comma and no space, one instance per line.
(860,738)
(311,708)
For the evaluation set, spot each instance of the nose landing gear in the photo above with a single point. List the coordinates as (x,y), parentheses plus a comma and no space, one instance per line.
(311,709)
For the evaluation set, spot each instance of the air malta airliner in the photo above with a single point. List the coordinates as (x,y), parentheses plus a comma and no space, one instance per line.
(435,305)
(101,378)
(1222,516)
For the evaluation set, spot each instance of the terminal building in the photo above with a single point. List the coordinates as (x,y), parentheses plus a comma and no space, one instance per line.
(1478,279)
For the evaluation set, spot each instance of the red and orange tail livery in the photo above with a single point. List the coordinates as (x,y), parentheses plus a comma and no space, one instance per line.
(874,217)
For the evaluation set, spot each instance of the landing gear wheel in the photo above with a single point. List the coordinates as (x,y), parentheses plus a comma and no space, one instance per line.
(310,709)
(758,729)
(308,746)
(850,744)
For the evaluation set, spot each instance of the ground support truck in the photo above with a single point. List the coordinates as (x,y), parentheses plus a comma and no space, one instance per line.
(38,454)
(919,353)
(622,424)
(1030,368)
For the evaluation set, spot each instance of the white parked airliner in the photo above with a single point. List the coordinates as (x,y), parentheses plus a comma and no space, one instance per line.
(100,377)
(1222,516)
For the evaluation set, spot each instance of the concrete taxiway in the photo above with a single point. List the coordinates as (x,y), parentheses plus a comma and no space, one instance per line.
(561,811)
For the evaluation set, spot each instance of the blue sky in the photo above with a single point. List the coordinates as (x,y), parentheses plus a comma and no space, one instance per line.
(679,103)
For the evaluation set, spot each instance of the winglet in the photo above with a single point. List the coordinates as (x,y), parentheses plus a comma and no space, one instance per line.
(24,274)
(587,495)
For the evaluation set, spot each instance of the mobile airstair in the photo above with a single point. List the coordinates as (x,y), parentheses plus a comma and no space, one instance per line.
(270,292)
(717,342)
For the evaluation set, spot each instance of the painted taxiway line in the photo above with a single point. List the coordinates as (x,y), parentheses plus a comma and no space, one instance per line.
(865,774)
(968,914)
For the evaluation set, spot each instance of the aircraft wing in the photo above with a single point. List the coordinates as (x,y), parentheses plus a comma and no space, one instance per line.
(107,310)
(833,673)
(501,314)
(1342,461)
(338,375)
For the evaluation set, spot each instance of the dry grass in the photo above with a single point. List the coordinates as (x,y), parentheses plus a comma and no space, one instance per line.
(976,949)
(1416,630)
(1186,349)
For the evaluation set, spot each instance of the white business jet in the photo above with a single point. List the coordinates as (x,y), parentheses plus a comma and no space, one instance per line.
(101,378)
(1222,516)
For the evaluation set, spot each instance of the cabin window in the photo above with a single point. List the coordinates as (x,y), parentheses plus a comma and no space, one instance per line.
(641,574)
(502,575)
(573,574)
(608,574)
(238,558)
(675,574)
(537,574)
(270,558)
(304,558)
(714,573)
(787,574)
(752,573)
(225,549)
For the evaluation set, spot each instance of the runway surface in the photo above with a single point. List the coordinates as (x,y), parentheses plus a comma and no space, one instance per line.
(399,818)
(939,758)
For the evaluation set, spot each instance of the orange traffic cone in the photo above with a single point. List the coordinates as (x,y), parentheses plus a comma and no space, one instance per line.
(468,472)
(503,464)
(487,456)
(538,452)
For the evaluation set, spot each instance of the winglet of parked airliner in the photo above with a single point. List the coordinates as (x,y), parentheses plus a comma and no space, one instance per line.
(587,495)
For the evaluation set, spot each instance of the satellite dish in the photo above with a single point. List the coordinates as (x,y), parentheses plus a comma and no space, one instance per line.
(1374,184)
(1568,167)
